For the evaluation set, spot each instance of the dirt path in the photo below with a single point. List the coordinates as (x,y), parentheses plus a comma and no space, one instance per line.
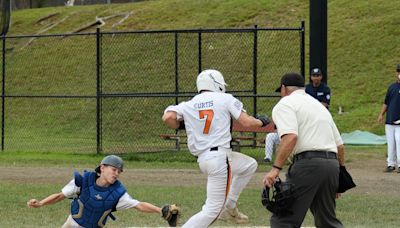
(367,174)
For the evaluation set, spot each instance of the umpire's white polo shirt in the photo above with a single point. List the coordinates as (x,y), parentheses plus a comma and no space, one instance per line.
(304,116)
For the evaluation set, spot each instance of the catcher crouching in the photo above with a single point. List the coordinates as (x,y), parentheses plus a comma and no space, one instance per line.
(95,195)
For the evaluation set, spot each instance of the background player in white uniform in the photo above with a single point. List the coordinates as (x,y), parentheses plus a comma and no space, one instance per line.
(207,119)
(272,141)
(108,171)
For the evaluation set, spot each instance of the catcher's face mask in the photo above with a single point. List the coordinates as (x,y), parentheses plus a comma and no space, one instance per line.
(281,199)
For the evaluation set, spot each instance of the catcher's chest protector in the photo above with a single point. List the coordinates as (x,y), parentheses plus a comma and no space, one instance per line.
(94,203)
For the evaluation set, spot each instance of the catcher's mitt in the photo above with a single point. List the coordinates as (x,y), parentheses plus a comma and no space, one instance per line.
(171,213)
(281,200)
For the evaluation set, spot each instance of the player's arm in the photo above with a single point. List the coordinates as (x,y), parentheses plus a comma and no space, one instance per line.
(148,208)
(170,118)
(326,99)
(248,121)
(383,111)
(51,199)
(340,149)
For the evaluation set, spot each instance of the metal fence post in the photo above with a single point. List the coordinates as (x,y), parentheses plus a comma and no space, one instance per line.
(199,49)
(255,59)
(302,52)
(98,92)
(3,86)
(177,142)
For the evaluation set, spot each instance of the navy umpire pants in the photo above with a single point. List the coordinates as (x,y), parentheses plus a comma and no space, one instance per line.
(316,181)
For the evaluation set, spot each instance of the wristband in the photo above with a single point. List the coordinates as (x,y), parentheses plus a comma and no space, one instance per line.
(277,167)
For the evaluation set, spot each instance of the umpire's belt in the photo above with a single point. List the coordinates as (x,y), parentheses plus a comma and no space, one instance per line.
(315,154)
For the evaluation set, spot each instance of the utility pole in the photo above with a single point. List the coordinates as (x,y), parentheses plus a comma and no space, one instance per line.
(319,36)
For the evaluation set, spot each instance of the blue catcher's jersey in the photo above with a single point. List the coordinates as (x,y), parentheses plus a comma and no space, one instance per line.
(94,203)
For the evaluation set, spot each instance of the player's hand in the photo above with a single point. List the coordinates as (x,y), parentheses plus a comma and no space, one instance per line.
(264,120)
(34,203)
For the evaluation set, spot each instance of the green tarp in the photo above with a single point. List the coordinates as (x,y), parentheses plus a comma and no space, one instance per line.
(363,138)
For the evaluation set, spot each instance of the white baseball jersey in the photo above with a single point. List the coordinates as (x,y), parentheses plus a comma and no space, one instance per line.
(302,115)
(125,202)
(208,120)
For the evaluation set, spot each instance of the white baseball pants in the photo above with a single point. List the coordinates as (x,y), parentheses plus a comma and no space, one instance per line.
(393,144)
(271,141)
(225,182)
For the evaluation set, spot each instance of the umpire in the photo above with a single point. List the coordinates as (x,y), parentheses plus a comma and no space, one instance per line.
(311,140)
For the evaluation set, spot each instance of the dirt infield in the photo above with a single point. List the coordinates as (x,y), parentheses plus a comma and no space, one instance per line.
(368,175)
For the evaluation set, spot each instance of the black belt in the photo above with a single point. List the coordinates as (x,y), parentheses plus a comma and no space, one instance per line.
(214,148)
(315,154)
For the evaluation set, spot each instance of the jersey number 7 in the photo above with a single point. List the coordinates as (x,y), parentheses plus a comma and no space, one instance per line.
(208,114)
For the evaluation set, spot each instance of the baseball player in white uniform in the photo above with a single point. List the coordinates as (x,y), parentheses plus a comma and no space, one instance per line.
(272,141)
(207,120)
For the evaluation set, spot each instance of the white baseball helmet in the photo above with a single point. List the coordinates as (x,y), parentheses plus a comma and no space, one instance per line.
(211,80)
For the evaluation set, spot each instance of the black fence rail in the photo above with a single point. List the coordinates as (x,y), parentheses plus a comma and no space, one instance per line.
(106,92)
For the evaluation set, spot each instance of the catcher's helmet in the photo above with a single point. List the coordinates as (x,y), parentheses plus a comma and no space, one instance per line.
(211,80)
(112,160)
(281,199)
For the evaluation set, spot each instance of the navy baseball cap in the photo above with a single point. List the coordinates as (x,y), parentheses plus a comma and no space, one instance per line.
(291,79)
(316,71)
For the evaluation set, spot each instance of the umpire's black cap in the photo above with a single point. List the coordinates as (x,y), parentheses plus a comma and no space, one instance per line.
(291,79)
(398,67)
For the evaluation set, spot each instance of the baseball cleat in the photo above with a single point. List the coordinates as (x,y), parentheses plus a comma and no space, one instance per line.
(389,169)
(234,215)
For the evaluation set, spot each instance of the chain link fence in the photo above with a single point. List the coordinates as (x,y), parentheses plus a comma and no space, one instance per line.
(106,92)
(25,4)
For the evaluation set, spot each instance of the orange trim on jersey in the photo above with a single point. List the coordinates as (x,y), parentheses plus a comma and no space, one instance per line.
(228,186)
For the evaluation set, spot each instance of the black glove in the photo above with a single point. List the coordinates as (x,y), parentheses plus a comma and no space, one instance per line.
(345,180)
(264,119)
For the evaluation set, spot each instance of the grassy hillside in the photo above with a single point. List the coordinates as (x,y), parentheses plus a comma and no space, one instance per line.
(362,49)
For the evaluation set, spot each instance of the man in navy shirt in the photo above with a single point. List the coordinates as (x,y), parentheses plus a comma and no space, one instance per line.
(318,89)
(391,107)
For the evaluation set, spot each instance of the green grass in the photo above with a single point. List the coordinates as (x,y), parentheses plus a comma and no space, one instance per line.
(163,159)
(362,37)
(355,209)
(360,50)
